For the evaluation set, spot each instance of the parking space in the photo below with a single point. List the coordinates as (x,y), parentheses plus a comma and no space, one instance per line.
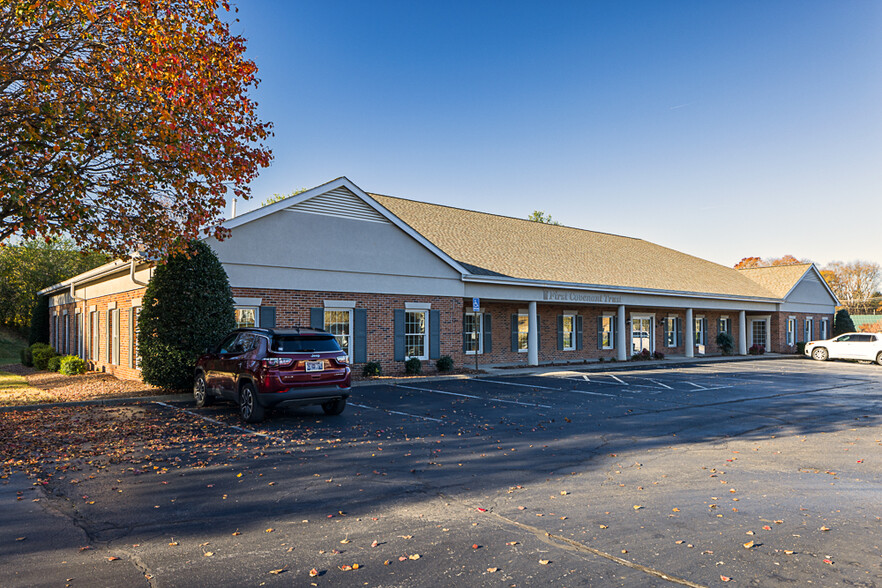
(612,478)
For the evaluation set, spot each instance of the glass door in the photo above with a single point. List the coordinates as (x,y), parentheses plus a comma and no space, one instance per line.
(641,334)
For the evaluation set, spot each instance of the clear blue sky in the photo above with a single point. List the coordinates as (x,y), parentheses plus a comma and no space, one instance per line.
(722,129)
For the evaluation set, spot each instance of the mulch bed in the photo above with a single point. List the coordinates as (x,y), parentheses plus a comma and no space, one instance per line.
(45,387)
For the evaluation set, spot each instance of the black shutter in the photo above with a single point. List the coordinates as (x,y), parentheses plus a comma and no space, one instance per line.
(398,333)
(514,333)
(466,336)
(538,333)
(560,335)
(434,334)
(359,336)
(679,326)
(267,317)
(488,334)
(600,332)
(579,333)
(317,318)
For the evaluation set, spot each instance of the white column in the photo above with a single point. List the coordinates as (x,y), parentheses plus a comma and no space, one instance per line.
(742,333)
(689,343)
(621,335)
(533,337)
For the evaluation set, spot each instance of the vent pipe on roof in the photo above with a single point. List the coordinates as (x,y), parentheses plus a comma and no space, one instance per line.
(233,209)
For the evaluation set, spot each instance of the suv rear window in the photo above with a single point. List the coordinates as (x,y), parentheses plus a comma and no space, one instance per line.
(304,343)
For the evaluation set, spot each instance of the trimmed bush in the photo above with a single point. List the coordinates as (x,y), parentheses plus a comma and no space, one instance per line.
(641,355)
(726,343)
(756,349)
(445,364)
(371,369)
(413,366)
(187,307)
(42,353)
(71,365)
(658,355)
(54,363)
(842,323)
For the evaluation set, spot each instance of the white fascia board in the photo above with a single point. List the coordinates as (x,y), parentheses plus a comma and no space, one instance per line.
(606,288)
(820,276)
(344,182)
(93,274)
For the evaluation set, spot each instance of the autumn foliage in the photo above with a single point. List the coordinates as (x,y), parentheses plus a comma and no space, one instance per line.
(125,124)
(752,262)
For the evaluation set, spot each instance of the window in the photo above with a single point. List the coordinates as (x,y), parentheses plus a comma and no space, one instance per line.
(114,336)
(791,331)
(809,329)
(700,331)
(66,334)
(81,336)
(523,331)
(758,329)
(569,332)
(823,334)
(415,329)
(339,324)
(246,316)
(93,344)
(672,335)
(606,335)
(725,325)
(473,329)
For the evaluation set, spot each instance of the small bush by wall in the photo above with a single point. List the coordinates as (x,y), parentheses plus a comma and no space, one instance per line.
(413,366)
(445,364)
(41,354)
(72,365)
(54,363)
(372,368)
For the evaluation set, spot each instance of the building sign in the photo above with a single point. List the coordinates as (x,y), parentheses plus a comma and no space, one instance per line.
(564,296)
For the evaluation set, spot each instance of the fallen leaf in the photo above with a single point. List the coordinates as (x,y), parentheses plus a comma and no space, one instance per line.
(788,552)
(387,562)
(236,533)
(675,509)
(767,528)
(726,578)
(828,561)
(481,509)
(278,571)
(313,573)
(20,538)
(637,507)
(374,544)
(209,553)
(604,527)
(406,536)
(344,541)
(679,542)
(491,570)
(112,558)
(563,492)
(544,562)
(270,530)
(748,545)
(414,556)
(475,546)
(345,568)
(824,529)
(402,558)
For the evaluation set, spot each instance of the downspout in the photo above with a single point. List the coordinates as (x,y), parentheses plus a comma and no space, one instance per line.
(132,274)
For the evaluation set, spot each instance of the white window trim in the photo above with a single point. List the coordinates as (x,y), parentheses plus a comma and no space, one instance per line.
(244,301)
(480,334)
(572,315)
(674,331)
(790,337)
(425,333)
(349,311)
(612,331)
(418,306)
(702,320)
(767,318)
(526,314)
(726,318)
(256,312)
(339,304)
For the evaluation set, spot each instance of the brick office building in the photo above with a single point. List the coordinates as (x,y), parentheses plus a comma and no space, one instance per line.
(396,278)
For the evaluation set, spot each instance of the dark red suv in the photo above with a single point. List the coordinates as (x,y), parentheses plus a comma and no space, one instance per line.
(265,368)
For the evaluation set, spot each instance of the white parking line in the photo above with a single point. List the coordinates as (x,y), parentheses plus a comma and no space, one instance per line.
(660,384)
(618,380)
(514,384)
(416,416)
(477,397)
(586,378)
(696,385)
(211,420)
(591,393)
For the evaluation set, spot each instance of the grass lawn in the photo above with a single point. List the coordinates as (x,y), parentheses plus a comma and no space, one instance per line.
(10,347)
(11,381)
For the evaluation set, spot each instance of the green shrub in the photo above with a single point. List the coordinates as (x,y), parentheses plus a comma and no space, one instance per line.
(756,349)
(658,355)
(445,364)
(842,323)
(413,366)
(27,358)
(54,363)
(72,365)
(42,353)
(187,307)
(726,343)
(641,355)
(372,368)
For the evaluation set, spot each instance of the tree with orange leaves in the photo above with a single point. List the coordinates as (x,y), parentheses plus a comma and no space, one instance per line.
(124,124)
(752,262)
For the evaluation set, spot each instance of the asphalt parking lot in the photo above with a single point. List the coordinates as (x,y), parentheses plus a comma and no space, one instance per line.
(751,473)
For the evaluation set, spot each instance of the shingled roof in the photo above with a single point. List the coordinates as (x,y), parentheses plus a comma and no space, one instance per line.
(492,245)
(777,279)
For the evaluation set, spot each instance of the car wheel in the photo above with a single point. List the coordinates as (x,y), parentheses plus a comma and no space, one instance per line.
(200,392)
(249,407)
(334,407)
(879,358)
(820,354)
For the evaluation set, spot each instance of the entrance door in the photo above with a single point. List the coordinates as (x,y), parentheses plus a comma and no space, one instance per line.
(641,334)
(758,328)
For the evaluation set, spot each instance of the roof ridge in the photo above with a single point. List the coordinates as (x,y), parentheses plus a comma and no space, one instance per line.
(742,269)
(526,220)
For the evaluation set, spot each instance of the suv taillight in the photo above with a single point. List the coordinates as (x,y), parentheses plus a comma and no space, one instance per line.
(342,359)
(277,362)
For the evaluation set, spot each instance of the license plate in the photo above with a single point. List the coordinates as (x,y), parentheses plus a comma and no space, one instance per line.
(315,366)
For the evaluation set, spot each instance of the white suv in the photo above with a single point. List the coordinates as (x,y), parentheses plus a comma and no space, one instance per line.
(866,346)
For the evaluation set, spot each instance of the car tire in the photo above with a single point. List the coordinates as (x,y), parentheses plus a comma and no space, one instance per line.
(820,354)
(334,407)
(200,392)
(879,358)
(250,408)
